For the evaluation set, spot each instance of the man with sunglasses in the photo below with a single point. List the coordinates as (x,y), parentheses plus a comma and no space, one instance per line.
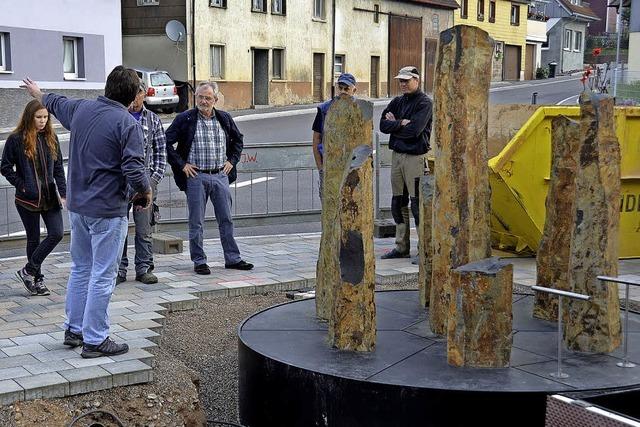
(407,119)
(346,85)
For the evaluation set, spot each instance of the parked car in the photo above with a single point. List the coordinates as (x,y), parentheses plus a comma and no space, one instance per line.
(161,90)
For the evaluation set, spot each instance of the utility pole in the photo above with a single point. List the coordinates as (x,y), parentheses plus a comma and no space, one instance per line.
(619,30)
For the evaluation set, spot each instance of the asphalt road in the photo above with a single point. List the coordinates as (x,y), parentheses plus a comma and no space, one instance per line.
(257,193)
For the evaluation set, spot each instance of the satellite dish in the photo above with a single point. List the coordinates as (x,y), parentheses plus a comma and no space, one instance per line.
(175,31)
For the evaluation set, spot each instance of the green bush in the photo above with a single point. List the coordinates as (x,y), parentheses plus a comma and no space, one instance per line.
(542,73)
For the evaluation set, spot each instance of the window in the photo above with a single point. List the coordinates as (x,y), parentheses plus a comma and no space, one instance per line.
(515,14)
(5,56)
(278,64)
(217,61)
(492,11)
(218,3)
(435,22)
(258,5)
(148,2)
(279,7)
(568,35)
(376,13)
(318,9)
(464,8)
(578,42)
(72,58)
(480,10)
(338,64)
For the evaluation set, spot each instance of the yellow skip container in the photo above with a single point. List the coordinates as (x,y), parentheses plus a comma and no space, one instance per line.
(519,178)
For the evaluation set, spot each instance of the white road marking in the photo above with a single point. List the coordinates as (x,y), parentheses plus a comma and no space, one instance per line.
(568,98)
(251,182)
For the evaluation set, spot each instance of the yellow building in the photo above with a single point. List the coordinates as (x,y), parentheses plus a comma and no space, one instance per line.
(506,23)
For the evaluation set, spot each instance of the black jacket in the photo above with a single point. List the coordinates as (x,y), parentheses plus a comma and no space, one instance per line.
(183,131)
(24,176)
(414,137)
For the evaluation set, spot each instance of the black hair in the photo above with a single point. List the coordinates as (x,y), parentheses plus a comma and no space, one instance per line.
(122,85)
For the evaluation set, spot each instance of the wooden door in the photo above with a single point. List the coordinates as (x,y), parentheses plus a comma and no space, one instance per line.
(530,62)
(511,62)
(318,77)
(430,53)
(375,76)
(405,47)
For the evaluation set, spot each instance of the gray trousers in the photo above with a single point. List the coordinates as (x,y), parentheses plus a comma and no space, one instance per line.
(143,240)
(201,188)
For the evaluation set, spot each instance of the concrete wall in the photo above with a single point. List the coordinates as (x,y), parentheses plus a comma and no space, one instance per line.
(36,28)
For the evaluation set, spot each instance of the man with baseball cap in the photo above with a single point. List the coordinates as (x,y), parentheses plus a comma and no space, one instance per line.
(407,119)
(346,84)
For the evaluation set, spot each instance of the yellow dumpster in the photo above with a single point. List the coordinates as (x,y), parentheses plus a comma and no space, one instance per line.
(519,178)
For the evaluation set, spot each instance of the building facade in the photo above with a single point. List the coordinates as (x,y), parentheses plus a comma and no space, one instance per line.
(278,52)
(566,33)
(506,23)
(55,44)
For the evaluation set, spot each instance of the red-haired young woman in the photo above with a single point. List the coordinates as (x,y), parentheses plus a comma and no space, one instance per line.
(32,163)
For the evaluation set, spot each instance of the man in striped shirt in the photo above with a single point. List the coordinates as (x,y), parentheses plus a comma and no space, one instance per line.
(209,145)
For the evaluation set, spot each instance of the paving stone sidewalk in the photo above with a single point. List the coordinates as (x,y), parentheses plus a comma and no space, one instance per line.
(35,364)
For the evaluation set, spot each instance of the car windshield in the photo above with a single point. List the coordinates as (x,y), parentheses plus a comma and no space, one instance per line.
(161,79)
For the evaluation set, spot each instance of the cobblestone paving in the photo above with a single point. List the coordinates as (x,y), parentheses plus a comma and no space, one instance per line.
(35,364)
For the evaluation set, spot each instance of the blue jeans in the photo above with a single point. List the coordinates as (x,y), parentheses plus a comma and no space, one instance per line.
(96,247)
(199,189)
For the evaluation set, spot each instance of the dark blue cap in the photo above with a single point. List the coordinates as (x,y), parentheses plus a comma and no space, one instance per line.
(347,79)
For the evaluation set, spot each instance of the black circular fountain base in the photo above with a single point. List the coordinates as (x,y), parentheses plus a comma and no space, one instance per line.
(289,376)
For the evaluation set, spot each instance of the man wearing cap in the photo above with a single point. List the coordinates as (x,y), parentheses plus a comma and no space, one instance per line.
(155,160)
(346,85)
(407,119)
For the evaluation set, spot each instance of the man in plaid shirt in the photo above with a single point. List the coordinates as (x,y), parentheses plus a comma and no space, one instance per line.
(155,160)
(204,161)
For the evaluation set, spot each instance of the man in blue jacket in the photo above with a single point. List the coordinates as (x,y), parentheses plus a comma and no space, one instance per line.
(105,152)
(204,164)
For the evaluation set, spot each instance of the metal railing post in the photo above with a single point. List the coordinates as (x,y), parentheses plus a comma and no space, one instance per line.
(376,144)
(559,293)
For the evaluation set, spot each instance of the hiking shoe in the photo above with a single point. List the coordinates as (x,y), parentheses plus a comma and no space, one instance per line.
(72,339)
(107,348)
(41,288)
(394,253)
(202,269)
(151,267)
(121,278)
(241,265)
(147,278)
(28,281)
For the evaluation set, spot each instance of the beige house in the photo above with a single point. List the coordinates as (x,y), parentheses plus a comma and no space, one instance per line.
(278,52)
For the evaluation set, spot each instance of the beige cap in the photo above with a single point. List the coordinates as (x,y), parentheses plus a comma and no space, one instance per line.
(407,73)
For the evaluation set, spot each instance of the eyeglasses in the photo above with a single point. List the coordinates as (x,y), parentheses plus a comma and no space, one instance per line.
(205,98)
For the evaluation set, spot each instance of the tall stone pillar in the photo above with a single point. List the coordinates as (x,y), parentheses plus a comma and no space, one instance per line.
(348,125)
(352,325)
(461,208)
(480,315)
(594,325)
(554,252)
(425,247)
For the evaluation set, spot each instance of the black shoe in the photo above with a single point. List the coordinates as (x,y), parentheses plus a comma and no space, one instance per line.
(202,269)
(241,265)
(71,339)
(41,288)
(27,281)
(147,278)
(121,278)
(150,269)
(394,253)
(107,348)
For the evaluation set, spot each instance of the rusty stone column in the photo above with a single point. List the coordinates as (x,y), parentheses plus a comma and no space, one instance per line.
(352,325)
(348,125)
(480,315)
(594,325)
(555,248)
(425,247)
(461,208)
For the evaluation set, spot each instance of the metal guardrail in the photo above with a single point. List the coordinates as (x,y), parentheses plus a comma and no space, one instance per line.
(274,179)
(626,87)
